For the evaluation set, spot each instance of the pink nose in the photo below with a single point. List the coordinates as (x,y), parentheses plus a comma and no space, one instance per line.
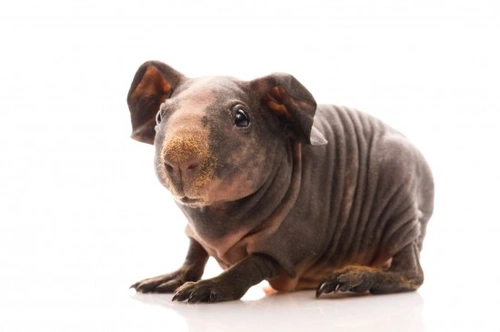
(182,169)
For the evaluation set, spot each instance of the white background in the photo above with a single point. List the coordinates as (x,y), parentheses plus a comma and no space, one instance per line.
(82,215)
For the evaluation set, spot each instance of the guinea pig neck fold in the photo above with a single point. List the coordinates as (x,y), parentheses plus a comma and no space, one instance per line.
(289,199)
(231,232)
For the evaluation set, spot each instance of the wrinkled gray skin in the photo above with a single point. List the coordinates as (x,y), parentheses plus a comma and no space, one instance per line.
(305,196)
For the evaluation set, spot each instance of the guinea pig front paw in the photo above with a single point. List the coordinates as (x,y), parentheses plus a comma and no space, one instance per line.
(209,291)
(166,283)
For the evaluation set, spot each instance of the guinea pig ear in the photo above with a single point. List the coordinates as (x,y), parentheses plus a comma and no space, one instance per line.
(292,103)
(153,83)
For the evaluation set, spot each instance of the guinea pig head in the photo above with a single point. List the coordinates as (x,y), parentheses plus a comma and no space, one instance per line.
(218,139)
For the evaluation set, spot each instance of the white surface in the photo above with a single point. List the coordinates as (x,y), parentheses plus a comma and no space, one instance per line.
(82,215)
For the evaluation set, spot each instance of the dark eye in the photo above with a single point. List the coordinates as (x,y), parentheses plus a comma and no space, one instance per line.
(241,118)
(158,117)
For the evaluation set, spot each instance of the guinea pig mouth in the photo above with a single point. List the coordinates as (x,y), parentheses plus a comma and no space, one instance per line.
(190,201)
(188,191)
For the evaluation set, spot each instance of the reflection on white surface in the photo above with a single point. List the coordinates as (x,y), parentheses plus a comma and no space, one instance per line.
(300,311)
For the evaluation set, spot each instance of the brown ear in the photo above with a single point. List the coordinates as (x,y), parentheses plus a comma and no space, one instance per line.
(292,103)
(152,85)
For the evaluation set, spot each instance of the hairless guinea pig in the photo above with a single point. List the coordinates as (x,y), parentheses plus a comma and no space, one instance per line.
(277,188)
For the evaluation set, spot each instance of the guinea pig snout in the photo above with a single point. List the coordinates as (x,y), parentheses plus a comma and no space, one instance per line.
(187,162)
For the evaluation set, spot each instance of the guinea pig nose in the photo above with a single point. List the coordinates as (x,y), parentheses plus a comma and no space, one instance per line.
(192,165)
(169,166)
(182,168)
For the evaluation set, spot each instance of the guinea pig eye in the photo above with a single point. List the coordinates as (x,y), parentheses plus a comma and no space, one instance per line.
(158,117)
(241,118)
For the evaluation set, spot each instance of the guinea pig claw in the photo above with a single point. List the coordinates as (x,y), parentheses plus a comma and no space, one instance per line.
(328,287)
(321,289)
